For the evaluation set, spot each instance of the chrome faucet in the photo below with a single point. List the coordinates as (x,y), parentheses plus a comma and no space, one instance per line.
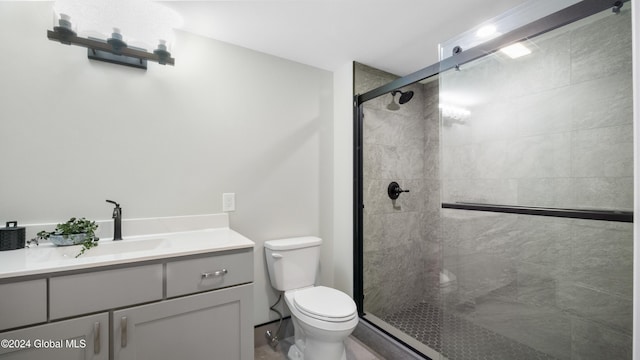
(117,220)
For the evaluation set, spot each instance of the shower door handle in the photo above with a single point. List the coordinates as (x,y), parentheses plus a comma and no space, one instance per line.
(394,190)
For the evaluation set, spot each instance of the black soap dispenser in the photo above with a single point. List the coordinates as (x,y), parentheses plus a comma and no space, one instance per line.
(12,237)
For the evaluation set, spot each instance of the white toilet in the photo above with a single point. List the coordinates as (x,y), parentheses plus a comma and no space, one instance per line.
(322,317)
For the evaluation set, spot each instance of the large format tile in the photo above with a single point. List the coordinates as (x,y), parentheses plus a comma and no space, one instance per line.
(372,155)
(485,191)
(492,120)
(457,162)
(602,102)
(490,160)
(393,277)
(373,232)
(608,310)
(591,341)
(544,113)
(401,229)
(603,193)
(392,162)
(544,329)
(602,152)
(455,133)
(390,128)
(536,285)
(601,48)
(403,162)
(477,274)
(543,241)
(541,156)
(431,159)
(477,230)
(545,192)
(602,256)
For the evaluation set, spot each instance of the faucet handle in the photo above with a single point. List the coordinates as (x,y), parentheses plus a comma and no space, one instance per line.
(114,203)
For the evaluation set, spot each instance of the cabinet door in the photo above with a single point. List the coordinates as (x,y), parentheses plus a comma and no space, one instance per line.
(85,338)
(216,325)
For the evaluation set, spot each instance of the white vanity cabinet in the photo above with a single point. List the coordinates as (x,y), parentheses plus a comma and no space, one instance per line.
(83,338)
(196,307)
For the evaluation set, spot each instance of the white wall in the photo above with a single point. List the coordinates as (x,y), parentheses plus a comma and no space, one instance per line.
(167,141)
(343,178)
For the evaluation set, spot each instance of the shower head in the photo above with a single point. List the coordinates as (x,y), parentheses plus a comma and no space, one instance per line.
(405,96)
(392,105)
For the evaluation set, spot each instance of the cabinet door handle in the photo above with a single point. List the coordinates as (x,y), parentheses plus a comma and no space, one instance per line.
(207,275)
(123,332)
(96,337)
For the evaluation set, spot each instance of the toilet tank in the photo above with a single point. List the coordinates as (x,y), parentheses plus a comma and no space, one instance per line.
(293,263)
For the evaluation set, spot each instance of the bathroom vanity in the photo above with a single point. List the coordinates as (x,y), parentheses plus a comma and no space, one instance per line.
(182,295)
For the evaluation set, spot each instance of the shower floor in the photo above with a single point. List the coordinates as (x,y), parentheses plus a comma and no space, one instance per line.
(464,340)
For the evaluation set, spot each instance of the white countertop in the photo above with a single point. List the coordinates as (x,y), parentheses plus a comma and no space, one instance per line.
(48,258)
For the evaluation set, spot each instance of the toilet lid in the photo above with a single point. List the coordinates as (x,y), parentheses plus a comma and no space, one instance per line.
(325,303)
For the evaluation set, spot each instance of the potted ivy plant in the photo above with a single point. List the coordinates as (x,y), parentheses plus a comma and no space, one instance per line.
(73,232)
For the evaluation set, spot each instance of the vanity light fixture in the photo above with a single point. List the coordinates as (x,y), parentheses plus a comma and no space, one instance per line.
(117,31)
(114,50)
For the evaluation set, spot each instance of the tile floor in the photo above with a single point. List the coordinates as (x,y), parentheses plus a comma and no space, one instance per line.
(355,351)
(464,340)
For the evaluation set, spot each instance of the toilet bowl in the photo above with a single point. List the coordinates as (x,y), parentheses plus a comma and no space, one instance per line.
(322,317)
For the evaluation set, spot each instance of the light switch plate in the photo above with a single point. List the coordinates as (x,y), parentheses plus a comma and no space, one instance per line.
(229,202)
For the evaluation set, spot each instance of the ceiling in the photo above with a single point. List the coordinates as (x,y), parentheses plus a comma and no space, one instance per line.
(398,36)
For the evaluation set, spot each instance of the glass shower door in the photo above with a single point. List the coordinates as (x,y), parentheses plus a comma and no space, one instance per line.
(544,125)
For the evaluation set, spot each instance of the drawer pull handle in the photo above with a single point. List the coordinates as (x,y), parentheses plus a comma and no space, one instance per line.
(96,337)
(214,274)
(123,332)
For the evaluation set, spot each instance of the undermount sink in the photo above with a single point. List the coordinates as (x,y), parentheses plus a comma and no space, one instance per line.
(134,248)
(111,247)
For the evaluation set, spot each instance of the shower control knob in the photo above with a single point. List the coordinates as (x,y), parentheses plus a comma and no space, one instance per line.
(394,190)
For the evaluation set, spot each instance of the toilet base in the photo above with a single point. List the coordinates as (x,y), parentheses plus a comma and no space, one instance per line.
(295,354)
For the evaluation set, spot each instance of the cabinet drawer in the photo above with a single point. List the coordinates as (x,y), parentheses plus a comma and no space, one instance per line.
(23,303)
(84,293)
(190,276)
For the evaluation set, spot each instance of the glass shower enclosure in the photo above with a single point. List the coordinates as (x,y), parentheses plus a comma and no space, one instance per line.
(494,194)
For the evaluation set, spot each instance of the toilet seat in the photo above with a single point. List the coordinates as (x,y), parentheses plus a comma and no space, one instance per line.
(325,304)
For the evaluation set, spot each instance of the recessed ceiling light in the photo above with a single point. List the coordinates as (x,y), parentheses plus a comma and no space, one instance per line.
(486,31)
(516,50)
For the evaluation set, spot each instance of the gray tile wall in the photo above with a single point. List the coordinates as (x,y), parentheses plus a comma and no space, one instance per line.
(401,146)
(553,128)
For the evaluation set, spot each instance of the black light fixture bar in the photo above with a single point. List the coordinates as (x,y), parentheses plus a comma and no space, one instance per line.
(100,47)
(587,214)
